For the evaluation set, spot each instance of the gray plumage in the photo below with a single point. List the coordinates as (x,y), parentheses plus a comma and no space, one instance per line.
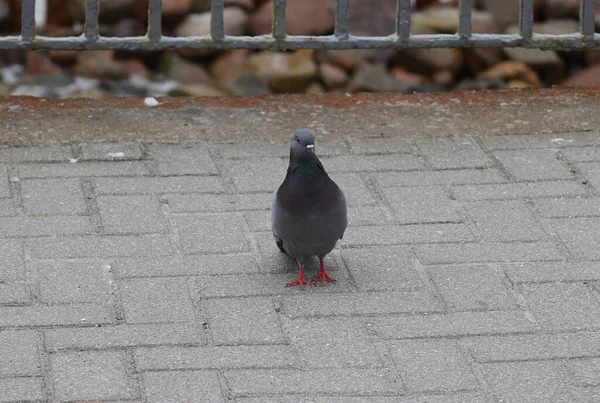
(309,213)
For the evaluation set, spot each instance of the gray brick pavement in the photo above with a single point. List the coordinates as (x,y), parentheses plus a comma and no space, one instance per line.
(147,272)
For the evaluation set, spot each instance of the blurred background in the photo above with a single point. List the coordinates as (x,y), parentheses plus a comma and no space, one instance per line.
(100,74)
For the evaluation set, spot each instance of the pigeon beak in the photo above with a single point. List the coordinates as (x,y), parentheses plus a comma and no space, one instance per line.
(311,148)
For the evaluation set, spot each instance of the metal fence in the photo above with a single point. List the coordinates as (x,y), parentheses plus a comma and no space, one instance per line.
(586,38)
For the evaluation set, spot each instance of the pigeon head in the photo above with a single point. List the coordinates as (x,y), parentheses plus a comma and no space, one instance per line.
(302,146)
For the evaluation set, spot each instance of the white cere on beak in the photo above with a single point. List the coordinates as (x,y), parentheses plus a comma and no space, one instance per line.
(310,146)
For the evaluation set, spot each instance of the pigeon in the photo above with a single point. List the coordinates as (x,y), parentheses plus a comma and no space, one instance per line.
(309,212)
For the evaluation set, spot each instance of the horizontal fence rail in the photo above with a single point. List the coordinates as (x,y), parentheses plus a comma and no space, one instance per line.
(586,38)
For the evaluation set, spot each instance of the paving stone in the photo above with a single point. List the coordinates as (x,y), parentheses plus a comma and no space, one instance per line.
(488,252)
(554,140)
(123,335)
(12,263)
(156,300)
(44,226)
(189,265)
(452,152)
(243,321)
(258,220)
(372,163)
(432,178)
(113,168)
(53,196)
(333,343)
(223,357)
(178,386)
(407,234)
(460,397)
(591,171)
(384,268)
(506,221)
(90,375)
(19,353)
(65,282)
(181,203)
(158,185)
(97,246)
(52,153)
(580,235)
(380,145)
(585,372)
(535,347)
(7,207)
(452,324)
(131,214)
(354,188)
(21,389)
(582,154)
(275,261)
(415,205)
(278,149)
(505,191)
(255,175)
(533,165)
(526,382)
(432,366)
(56,315)
(571,306)
(267,284)
(466,288)
(366,216)
(568,207)
(14,294)
(4,186)
(361,303)
(111,151)
(211,233)
(178,160)
(330,380)
(549,272)
(591,394)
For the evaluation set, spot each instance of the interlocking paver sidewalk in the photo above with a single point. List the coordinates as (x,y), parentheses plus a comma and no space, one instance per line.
(145,271)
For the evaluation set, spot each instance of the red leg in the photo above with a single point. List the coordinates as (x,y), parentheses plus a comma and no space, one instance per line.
(322,275)
(301,280)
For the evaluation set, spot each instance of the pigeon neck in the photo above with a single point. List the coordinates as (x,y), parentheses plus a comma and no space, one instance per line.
(303,161)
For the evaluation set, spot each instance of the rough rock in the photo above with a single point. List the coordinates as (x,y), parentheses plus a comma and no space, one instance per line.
(181,70)
(511,70)
(235,23)
(172,10)
(284,72)
(303,17)
(562,8)
(428,61)
(333,76)
(110,10)
(375,78)
(406,76)
(372,17)
(228,66)
(505,12)
(197,90)
(247,84)
(445,20)
(201,6)
(99,64)
(584,78)
(346,59)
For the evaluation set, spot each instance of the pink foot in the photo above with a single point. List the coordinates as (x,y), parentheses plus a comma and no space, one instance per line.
(301,280)
(322,275)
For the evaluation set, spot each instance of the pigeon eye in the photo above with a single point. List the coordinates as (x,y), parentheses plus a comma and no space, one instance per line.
(297,140)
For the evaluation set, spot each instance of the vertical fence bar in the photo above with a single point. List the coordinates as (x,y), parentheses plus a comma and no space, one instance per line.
(526,19)
(217,25)
(465,28)
(155,20)
(586,18)
(27,20)
(403,19)
(91,20)
(279,19)
(342,15)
